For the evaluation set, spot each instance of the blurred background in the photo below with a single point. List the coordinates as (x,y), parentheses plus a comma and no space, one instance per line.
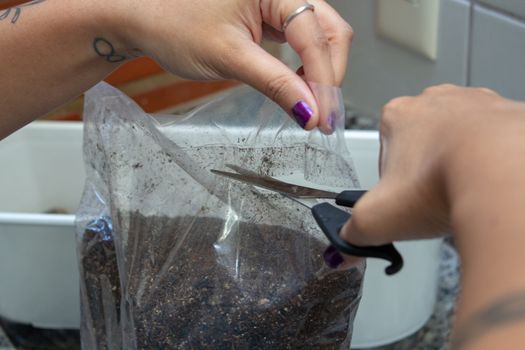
(477,43)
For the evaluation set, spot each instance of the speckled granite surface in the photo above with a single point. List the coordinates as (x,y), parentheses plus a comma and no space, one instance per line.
(5,344)
(434,335)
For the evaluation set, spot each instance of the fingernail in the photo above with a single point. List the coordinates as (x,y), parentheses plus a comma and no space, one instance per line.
(331,120)
(302,113)
(332,257)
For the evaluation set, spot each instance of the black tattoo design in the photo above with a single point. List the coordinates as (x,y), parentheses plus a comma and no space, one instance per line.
(17,10)
(105,49)
(500,314)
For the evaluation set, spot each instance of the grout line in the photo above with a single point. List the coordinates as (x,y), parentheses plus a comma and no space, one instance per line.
(473,5)
(500,11)
(470,44)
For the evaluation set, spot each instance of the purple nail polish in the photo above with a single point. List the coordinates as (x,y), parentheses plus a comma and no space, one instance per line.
(331,120)
(332,257)
(302,113)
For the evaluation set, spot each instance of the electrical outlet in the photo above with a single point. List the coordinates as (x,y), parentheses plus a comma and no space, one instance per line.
(411,23)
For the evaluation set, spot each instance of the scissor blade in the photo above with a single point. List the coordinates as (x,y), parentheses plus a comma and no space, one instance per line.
(297,200)
(291,189)
(244,171)
(272,184)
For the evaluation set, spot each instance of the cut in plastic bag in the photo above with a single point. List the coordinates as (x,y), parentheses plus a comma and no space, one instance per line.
(175,257)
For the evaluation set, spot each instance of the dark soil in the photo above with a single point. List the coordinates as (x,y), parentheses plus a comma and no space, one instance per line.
(256,288)
(190,288)
(100,286)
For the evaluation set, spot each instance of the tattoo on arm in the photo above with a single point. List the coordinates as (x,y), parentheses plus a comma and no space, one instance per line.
(15,11)
(105,49)
(500,314)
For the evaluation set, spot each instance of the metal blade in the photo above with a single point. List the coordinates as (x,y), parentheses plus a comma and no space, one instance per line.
(295,190)
(243,178)
(296,200)
(272,184)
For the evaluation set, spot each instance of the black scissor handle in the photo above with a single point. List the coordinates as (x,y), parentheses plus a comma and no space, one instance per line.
(349,198)
(331,219)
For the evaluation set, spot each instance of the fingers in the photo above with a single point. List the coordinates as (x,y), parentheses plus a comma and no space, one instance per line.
(306,37)
(273,34)
(256,67)
(314,35)
(336,260)
(339,35)
(418,141)
(322,34)
(378,218)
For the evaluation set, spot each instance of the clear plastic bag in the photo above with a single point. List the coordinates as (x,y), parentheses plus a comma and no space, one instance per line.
(175,257)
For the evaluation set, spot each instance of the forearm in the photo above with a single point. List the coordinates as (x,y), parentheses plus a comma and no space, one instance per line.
(487,194)
(51,52)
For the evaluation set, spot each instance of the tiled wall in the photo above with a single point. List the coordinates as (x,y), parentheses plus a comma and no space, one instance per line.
(481,43)
(498,47)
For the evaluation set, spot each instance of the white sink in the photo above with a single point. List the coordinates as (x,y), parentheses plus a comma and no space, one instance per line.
(42,169)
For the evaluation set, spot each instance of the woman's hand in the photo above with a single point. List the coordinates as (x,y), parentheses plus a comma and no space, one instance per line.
(210,39)
(75,44)
(434,148)
(454,158)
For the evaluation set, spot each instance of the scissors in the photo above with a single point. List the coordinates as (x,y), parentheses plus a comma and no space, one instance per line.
(329,218)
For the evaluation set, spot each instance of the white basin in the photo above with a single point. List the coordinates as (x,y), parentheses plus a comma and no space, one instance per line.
(42,169)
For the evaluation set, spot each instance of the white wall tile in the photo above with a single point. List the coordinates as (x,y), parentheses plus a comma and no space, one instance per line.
(498,53)
(380,70)
(516,7)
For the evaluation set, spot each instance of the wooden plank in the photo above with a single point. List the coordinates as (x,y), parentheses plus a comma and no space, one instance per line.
(10,3)
(172,95)
(161,99)
(134,70)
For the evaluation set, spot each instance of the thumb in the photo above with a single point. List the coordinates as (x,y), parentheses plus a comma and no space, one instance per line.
(381,216)
(273,78)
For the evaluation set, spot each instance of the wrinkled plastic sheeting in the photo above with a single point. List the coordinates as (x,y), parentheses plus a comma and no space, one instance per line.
(159,166)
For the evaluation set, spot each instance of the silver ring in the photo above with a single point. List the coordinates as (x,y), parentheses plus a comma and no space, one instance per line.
(290,18)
